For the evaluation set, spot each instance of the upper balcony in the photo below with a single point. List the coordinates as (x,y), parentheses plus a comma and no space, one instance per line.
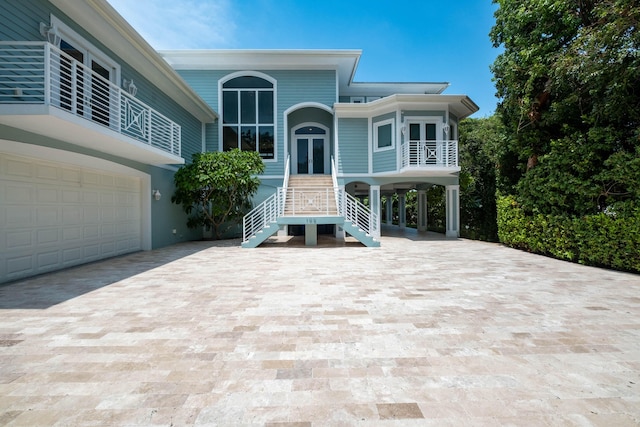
(47,92)
(429,155)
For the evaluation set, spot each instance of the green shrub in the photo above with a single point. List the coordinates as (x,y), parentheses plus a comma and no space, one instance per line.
(601,240)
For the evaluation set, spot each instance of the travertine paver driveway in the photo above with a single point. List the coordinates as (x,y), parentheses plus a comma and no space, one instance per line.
(417,332)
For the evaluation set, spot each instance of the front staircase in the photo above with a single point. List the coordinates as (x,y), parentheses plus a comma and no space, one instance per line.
(310,200)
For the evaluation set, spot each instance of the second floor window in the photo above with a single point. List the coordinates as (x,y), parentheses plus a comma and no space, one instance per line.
(248,116)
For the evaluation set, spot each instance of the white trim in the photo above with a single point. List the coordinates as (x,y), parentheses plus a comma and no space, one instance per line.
(437,120)
(379,124)
(327,145)
(203,137)
(89,162)
(285,117)
(369,144)
(261,75)
(87,48)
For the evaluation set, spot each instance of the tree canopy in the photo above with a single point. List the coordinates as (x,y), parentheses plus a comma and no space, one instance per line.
(569,88)
(215,189)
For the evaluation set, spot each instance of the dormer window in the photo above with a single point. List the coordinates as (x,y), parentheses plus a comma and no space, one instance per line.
(248,115)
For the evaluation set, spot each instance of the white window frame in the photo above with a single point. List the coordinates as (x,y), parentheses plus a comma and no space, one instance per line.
(258,74)
(88,49)
(376,126)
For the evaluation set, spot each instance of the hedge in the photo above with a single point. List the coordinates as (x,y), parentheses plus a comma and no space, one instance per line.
(599,240)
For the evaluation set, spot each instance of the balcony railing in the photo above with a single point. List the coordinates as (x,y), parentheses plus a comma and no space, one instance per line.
(38,73)
(432,153)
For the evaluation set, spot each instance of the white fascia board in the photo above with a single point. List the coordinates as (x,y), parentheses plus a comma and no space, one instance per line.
(390,88)
(461,105)
(105,24)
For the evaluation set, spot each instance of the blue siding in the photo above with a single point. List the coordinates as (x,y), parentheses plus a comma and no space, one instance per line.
(353,144)
(21,22)
(292,87)
(385,161)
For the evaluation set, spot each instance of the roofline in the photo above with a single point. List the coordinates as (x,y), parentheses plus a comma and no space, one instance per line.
(463,106)
(146,60)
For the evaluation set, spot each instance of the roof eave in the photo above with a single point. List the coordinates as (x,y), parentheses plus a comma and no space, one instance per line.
(117,34)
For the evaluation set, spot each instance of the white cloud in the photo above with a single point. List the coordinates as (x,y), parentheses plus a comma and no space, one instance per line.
(184,24)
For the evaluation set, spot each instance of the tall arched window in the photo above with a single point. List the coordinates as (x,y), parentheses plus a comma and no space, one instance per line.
(247,115)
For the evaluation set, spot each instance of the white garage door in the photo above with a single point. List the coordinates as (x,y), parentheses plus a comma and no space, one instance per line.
(54,215)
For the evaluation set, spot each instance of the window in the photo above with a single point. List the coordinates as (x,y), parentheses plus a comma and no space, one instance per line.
(84,76)
(383,135)
(248,115)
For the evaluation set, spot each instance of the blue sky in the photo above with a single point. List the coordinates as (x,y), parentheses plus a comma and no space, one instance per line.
(401,40)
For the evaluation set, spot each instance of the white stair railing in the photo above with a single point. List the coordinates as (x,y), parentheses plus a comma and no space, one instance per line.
(266,212)
(359,214)
(309,201)
(261,216)
(352,209)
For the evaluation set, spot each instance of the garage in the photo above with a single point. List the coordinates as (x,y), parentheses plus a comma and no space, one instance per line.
(56,214)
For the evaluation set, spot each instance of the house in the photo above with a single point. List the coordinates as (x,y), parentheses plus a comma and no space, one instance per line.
(328,142)
(93,125)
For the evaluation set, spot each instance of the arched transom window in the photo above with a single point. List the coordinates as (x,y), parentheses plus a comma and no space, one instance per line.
(247,115)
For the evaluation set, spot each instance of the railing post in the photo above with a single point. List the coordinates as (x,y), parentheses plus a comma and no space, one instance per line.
(149,139)
(47,74)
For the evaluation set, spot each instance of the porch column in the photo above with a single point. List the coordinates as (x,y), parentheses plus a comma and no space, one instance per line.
(422,210)
(340,234)
(402,210)
(453,210)
(311,234)
(374,205)
(389,209)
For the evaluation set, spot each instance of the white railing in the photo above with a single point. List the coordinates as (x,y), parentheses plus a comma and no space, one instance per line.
(439,153)
(352,209)
(261,216)
(358,213)
(313,201)
(40,73)
(309,201)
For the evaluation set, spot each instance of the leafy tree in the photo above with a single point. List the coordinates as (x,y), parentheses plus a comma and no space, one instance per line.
(215,189)
(480,143)
(569,84)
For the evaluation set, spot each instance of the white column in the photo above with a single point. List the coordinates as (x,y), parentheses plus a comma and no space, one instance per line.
(453,210)
(389,209)
(374,205)
(402,210)
(422,210)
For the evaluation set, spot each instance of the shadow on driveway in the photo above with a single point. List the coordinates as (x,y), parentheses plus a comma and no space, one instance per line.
(49,289)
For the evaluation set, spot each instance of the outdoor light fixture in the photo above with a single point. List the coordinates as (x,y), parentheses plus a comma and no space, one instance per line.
(51,34)
(445,128)
(130,86)
(156,194)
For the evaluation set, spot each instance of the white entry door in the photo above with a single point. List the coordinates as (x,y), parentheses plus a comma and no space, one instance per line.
(311,151)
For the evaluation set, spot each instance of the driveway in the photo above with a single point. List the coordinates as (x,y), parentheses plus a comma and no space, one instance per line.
(421,331)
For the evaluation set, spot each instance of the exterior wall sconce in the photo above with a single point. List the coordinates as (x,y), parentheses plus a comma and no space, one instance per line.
(445,128)
(50,33)
(156,194)
(130,86)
